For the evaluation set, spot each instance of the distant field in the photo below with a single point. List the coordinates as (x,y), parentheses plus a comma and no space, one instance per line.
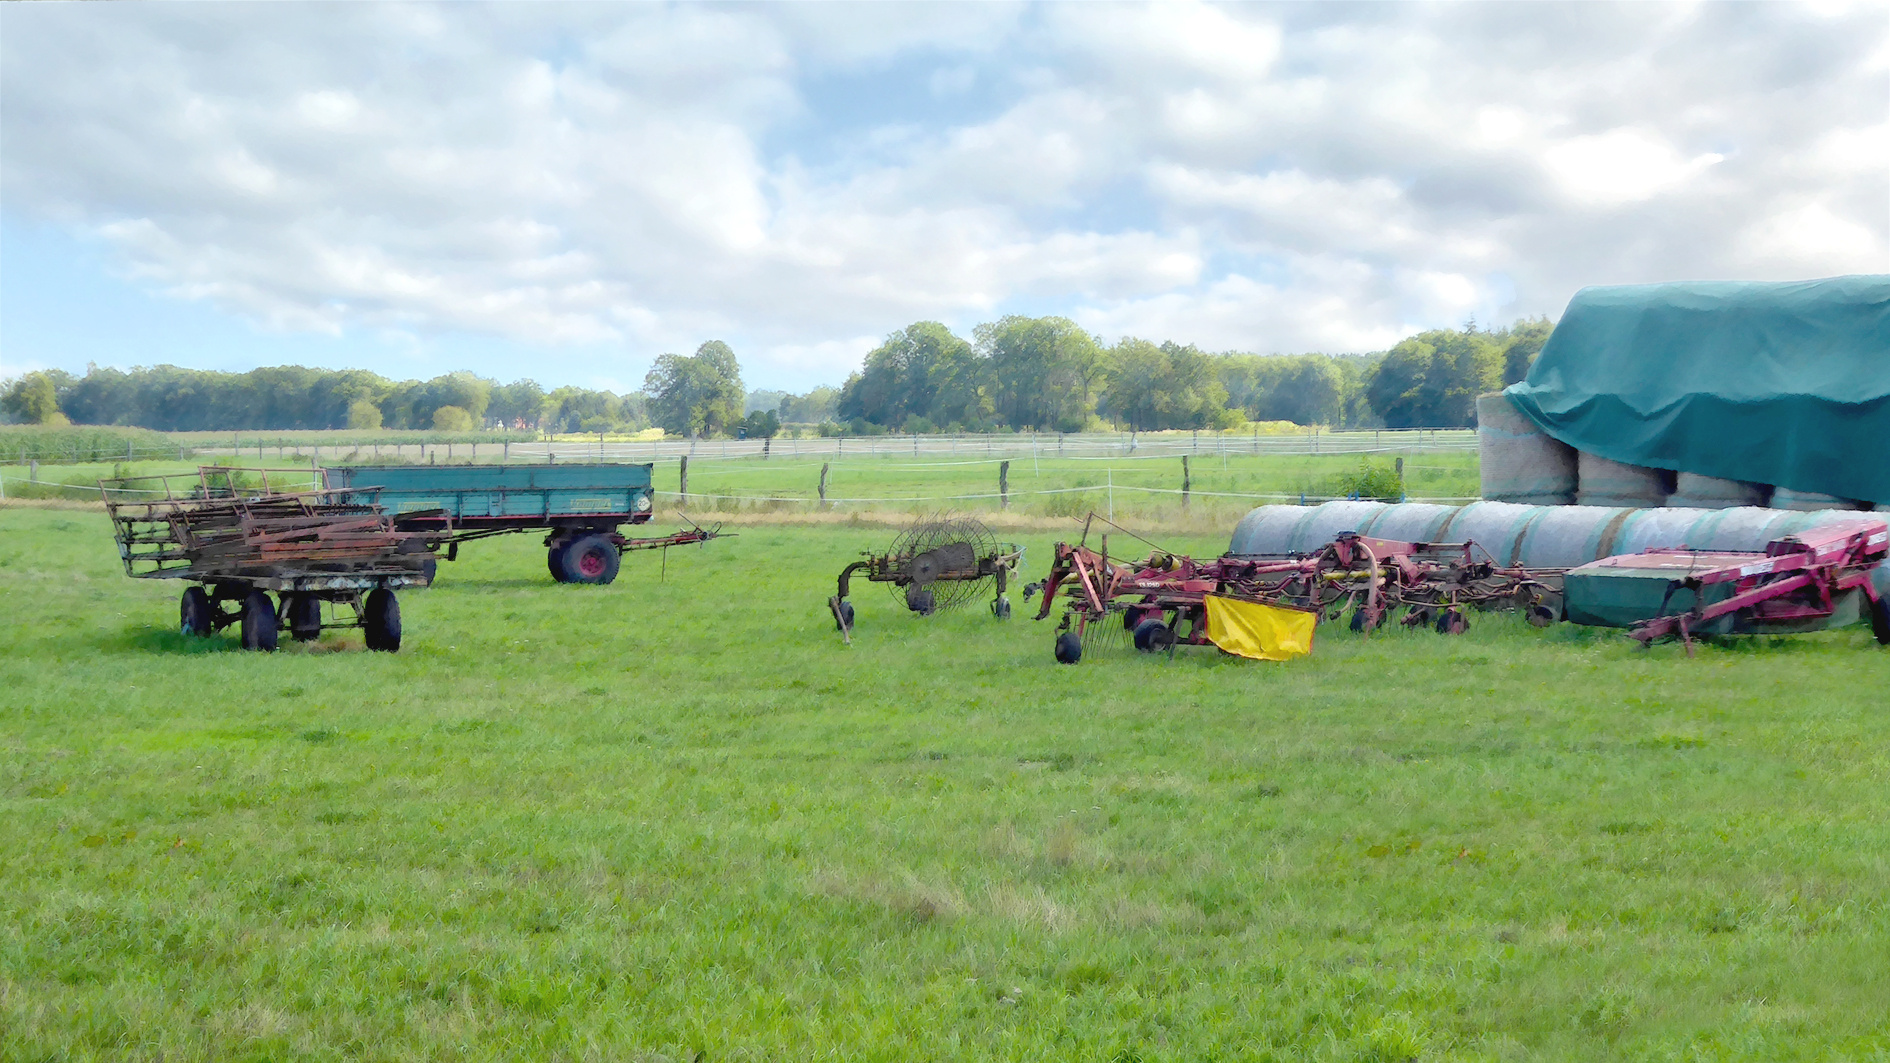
(678,820)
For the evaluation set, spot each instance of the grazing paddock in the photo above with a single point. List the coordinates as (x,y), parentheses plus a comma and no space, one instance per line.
(676,819)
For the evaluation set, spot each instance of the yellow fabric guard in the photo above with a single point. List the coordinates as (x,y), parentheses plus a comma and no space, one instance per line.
(1262,632)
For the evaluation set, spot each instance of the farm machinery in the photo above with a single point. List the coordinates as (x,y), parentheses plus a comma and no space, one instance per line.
(936,564)
(1169,599)
(1806,582)
(237,538)
(579,507)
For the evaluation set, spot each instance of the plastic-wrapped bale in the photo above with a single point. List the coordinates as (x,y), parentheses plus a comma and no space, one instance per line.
(1655,529)
(1266,529)
(1745,528)
(1693,491)
(1613,484)
(1807,502)
(1519,461)
(1300,529)
(1323,523)
(1497,527)
(1409,522)
(1571,536)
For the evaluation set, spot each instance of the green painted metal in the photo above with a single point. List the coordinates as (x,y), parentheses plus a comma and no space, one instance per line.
(475,494)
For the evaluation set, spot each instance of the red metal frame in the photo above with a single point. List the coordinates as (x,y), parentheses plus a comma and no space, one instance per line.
(1371,576)
(1796,579)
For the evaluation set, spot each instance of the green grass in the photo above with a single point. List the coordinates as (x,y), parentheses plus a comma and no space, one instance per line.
(679,820)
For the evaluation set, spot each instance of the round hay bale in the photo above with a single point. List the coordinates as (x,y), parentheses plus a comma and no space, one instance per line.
(1497,527)
(1693,491)
(1807,501)
(1615,485)
(1409,522)
(1519,461)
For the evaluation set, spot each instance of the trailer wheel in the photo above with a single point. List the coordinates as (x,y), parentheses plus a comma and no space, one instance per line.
(1152,635)
(592,559)
(1880,621)
(554,560)
(1069,648)
(194,614)
(305,617)
(259,622)
(380,617)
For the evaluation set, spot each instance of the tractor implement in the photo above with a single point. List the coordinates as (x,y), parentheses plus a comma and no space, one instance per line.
(935,564)
(237,538)
(1817,579)
(1163,601)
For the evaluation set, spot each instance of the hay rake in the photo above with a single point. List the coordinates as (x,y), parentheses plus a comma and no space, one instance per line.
(936,564)
(1161,601)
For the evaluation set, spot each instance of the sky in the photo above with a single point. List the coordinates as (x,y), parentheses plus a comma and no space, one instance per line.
(564,192)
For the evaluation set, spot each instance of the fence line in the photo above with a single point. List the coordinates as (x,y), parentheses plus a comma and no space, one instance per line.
(948,449)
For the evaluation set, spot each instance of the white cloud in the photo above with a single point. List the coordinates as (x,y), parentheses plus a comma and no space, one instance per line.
(1622,166)
(799,178)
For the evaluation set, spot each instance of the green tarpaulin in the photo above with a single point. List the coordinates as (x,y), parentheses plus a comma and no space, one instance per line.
(1785,384)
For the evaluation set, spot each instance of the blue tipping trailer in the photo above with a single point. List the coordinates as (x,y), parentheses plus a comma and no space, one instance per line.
(580,507)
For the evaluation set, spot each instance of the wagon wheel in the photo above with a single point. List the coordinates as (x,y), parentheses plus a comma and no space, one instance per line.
(196,616)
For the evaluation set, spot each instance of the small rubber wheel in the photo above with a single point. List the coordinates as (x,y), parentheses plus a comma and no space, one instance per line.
(1001,608)
(1419,616)
(1451,622)
(430,568)
(380,618)
(305,617)
(554,560)
(1069,648)
(846,616)
(259,622)
(1362,621)
(1880,621)
(1152,635)
(592,559)
(194,614)
(921,600)
(1541,616)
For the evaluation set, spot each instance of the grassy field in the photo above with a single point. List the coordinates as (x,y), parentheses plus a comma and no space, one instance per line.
(678,820)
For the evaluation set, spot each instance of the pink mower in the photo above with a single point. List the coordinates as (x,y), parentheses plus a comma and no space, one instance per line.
(1817,579)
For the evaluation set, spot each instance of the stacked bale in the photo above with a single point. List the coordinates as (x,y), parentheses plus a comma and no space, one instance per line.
(1693,491)
(1614,485)
(1520,462)
(1809,502)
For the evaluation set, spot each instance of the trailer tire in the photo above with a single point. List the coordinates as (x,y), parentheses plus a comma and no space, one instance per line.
(380,620)
(1069,648)
(592,559)
(1880,621)
(259,622)
(195,615)
(305,617)
(554,560)
(1152,636)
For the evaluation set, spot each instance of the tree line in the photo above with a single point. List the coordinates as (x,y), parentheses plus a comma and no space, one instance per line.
(1017,373)
(1048,374)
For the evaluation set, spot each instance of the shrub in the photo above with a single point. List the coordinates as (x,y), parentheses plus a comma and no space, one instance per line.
(452,419)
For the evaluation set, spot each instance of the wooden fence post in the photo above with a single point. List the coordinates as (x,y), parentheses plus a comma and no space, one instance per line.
(1004,485)
(1186,483)
(682,479)
(823,483)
